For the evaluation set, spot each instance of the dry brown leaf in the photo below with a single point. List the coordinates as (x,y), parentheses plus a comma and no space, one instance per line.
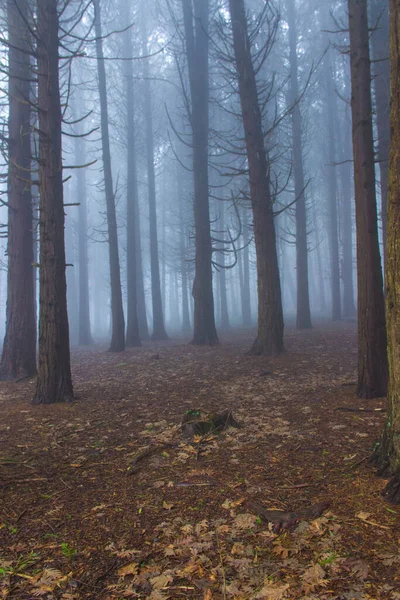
(273,591)
(130,569)
(160,582)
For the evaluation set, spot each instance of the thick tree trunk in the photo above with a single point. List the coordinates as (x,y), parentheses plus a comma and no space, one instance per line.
(303,319)
(379,20)
(54,383)
(159,332)
(270,316)
(19,350)
(132,329)
(85,336)
(117,311)
(387,456)
(372,355)
(196,32)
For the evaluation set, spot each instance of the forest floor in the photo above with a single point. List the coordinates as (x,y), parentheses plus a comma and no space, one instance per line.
(76,522)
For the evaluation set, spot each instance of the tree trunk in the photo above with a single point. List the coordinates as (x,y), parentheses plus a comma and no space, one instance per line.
(159,332)
(117,311)
(372,355)
(54,383)
(270,316)
(303,319)
(132,329)
(332,119)
(246,305)
(85,336)
(196,33)
(387,456)
(19,349)
(182,252)
(379,19)
(222,279)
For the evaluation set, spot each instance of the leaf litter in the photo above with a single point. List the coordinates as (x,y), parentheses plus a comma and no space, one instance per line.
(74,525)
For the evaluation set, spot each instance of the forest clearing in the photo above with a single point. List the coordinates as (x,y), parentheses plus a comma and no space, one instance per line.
(76,524)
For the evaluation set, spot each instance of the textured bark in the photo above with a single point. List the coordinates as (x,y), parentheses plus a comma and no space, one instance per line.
(85,336)
(379,20)
(270,316)
(132,329)
(54,383)
(19,349)
(196,33)
(159,332)
(303,318)
(117,312)
(372,355)
(387,457)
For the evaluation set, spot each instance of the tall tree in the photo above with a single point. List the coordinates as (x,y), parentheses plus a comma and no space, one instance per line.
(159,332)
(196,16)
(85,336)
(54,383)
(270,315)
(303,318)
(387,456)
(372,355)
(132,329)
(379,21)
(19,349)
(117,311)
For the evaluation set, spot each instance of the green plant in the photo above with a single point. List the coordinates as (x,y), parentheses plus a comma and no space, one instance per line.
(67,550)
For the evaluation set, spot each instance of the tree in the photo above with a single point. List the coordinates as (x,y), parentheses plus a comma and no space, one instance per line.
(303,319)
(379,20)
(159,332)
(270,316)
(387,456)
(19,350)
(54,383)
(196,17)
(117,311)
(132,330)
(85,336)
(372,355)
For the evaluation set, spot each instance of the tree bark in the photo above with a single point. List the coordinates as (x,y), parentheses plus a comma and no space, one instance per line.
(303,318)
(372,354)
(196,34)
(132,329)
(19,349)
(54,383)
(117,311)
(270,315)
(387,456)
(225,324)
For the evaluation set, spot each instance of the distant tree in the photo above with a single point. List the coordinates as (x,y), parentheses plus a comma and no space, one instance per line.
(117,311)
(132,329)
(84,333)
(159,332)
(196,17)
(303,319)
(19,350)
(387,455)
(270,316)
(372,354)
(54,383)
(379,21)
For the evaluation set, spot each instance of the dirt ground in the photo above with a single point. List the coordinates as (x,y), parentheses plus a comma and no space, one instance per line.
(77,522)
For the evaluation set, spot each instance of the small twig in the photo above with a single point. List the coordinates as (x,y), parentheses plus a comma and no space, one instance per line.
(358,462)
